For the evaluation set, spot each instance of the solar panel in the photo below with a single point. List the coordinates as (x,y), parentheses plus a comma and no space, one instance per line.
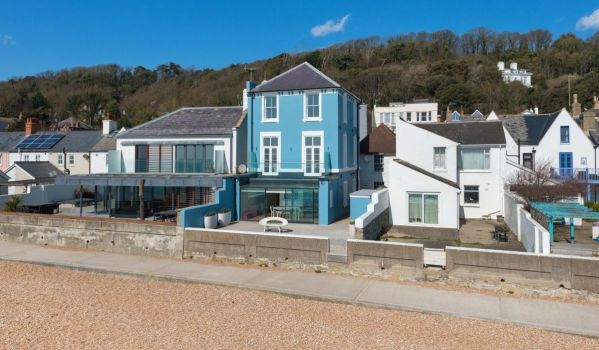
(42,141)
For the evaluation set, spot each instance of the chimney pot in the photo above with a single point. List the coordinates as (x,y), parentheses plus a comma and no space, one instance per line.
(32,125)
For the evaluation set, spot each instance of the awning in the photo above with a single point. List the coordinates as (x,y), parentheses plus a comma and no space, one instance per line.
(151,180)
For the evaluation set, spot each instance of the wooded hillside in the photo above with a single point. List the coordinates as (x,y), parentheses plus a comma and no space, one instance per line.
(457,71)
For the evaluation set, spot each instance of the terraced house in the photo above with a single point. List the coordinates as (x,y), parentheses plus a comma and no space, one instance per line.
(302,147)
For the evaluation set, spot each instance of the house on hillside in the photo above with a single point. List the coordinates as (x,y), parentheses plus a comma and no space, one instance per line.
(375,148)
(176,161)
(455,172)
(514,74)
(302,147)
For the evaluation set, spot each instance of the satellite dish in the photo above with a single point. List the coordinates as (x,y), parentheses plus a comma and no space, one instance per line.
(242,169)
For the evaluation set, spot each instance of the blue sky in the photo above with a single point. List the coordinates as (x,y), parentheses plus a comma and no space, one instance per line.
(36,36)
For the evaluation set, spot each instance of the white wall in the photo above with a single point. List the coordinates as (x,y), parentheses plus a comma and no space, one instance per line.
(80,166)
(400,111)
(367,174)
(99,163)
(416,146)
(534,237)
(402,180)
(490,183)
(379,203)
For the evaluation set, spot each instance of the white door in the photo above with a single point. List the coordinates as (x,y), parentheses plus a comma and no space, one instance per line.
(270,154)
(313,152)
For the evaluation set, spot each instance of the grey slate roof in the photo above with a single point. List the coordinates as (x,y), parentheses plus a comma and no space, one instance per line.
(529,128)
(594,136)
(468,133)
(39,170)
(106,143)
(8,140)
(74,141)
(78,141)
(189,122)
(301,77)
(427,173)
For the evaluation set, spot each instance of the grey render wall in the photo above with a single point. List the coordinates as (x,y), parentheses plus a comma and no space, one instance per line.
(524,268)
(93,233)
(220,243)
(404,258)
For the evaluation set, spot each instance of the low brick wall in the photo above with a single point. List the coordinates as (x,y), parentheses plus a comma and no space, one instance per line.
(524,268)
(118,236)
(403,257)
(220,243)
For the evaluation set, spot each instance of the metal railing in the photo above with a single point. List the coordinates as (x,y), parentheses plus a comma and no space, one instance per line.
(308,168)
(180,166)
(575,174)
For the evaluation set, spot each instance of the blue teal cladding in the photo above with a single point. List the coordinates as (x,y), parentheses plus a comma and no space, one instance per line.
(358,206)
(224,197)
(333,200)
(291,124)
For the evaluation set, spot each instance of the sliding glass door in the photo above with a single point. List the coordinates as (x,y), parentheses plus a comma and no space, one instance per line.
(423,208)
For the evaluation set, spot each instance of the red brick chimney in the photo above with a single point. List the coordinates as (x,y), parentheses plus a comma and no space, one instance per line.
(32,125)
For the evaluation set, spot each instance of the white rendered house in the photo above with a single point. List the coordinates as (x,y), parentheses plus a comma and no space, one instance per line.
(514,74)
(444,172)
(555,138)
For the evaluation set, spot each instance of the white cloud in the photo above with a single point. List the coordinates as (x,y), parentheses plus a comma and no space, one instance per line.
(7,40)
(330,27)
(589,22)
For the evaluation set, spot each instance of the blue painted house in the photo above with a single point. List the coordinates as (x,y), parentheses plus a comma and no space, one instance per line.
(302,148)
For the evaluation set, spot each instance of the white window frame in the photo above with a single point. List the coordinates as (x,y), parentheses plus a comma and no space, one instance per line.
(38,157)
(439,166)
(471,191)
(277,104)
(304,160)
(306,117)
(26,157)
(263,135)
(422,194)
(485,150)
(60,159)
(71,159)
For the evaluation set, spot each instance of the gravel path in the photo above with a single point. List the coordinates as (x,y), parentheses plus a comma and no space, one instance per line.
(49,308)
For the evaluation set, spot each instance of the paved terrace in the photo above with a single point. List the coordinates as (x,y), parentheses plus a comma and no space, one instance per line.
(553,315)
(338,232)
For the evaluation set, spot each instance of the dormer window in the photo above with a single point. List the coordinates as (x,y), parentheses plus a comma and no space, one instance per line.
(270,112)
(312,110)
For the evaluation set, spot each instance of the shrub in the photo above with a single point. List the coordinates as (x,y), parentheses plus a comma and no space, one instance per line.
(224,210)
(594,206)
(210,213)
(12,204)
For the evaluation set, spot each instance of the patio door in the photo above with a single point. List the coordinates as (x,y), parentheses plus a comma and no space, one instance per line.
(313,155)
(565,165)
(270,155)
